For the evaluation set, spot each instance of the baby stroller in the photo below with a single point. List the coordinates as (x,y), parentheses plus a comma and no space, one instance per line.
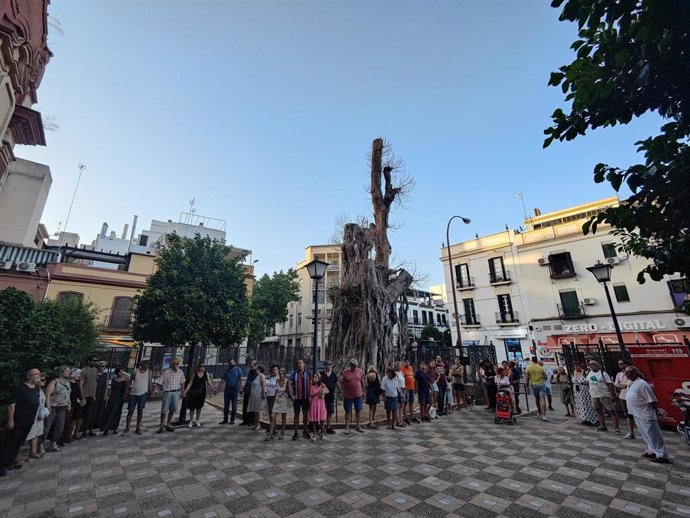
(504,407)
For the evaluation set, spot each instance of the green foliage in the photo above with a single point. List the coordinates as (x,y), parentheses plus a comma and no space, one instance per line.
(197,295)
(633,57)
(269,303)
(430,331)
(42,335)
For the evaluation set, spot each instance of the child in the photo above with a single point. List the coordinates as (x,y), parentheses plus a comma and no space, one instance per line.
(317,405)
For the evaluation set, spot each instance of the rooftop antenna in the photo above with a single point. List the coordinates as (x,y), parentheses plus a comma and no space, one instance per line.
(81,168)
(524,209)
(192,206)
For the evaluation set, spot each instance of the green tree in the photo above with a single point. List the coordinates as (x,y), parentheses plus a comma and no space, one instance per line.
(633,57)
(196,296)
(430,331)
(42,335)
(269,303)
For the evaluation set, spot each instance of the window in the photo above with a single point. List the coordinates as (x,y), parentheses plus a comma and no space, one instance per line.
(470,314)
(415,316)
(679,289)
(299,319)
(438,318)
(423,317)
(497,271)
(70,295)
(505,309)
(570,304)
(561,265)
(443,319)
(143,240)
(609,250)
(462,275)
(621,293)
(121,315)
(290,326)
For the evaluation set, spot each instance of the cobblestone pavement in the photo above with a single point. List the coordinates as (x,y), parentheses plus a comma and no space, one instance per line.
(459,465)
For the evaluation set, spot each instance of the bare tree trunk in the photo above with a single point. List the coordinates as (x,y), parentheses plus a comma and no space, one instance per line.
(364,305)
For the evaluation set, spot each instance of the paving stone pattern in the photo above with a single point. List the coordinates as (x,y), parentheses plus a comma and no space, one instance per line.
(459,465)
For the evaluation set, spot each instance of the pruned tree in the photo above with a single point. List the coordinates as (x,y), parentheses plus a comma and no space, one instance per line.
(364,305)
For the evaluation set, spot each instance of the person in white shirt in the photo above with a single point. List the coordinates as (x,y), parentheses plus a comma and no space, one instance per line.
(642,405)
(603,396)
(141,386)
(621,384)
(389,386)
(402,393)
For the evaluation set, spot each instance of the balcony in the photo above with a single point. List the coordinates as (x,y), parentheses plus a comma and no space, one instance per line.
(471,322)
(499,278)
(118,322)
(465,285)
(561,273)
(507,319)
(571,311)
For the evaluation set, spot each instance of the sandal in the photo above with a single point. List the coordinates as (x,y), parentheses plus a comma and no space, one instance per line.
(35,456)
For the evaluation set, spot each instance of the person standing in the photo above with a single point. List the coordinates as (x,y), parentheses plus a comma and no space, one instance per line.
(88,386)
(408,372)
(99,413)
(330,379)
(247,418)
(490,381)
(257,397)
(560,378)
(373,391)
(621,384)
(116,396)
(642,405)
(603,396)
(74,419)
(584,409)
(298,391)
(535,375)
(22,408)
(58,394)
(231,383)
(271,387)
(547,383)
(402,394)
(36,432)
(352,389)
(317,406)
(280,406)
(172,382)
(456,373)
(515,376)
(196,394)
(423,384)
(141,387)
(389,386)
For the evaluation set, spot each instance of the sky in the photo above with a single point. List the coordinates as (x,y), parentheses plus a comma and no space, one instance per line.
(264,114)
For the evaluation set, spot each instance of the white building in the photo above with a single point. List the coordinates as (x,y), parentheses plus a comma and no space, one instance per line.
(298,330)
(530,289)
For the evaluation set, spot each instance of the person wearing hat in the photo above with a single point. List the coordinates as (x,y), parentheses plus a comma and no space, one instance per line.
(172,382)
(330,379)
(351,386)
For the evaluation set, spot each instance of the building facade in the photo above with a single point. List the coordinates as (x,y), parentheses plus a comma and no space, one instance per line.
(529,290)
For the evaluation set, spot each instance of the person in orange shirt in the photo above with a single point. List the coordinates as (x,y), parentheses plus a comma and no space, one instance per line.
(408,410)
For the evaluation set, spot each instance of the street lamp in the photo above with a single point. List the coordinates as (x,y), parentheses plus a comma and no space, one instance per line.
(466,221)
(316,270)
(602,273)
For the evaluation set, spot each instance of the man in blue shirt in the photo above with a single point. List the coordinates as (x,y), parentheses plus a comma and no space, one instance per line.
(231,380)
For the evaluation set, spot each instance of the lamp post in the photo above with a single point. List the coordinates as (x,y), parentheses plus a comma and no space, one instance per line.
(602,273)
(316,270)
(466,221)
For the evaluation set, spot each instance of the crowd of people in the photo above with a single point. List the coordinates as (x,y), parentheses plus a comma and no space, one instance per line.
(77,402)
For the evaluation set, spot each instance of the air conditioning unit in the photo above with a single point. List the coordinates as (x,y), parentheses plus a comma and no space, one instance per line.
(682,322)
(613,260)
(6,265)
(589,302)
(26,267)
(543,260)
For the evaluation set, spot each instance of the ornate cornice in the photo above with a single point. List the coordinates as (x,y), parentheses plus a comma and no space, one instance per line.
(26,126)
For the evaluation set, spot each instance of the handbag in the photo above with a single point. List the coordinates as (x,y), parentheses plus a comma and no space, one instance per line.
(43,412)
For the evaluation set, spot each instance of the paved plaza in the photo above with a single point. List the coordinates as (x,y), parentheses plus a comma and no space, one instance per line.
(459,465)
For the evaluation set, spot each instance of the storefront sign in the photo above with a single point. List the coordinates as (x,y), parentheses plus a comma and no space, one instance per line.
(658,351)
(631,325)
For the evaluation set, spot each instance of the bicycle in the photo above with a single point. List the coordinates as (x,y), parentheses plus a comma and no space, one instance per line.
(682,401)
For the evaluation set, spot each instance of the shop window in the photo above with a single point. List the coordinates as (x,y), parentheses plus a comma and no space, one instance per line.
(621,293)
